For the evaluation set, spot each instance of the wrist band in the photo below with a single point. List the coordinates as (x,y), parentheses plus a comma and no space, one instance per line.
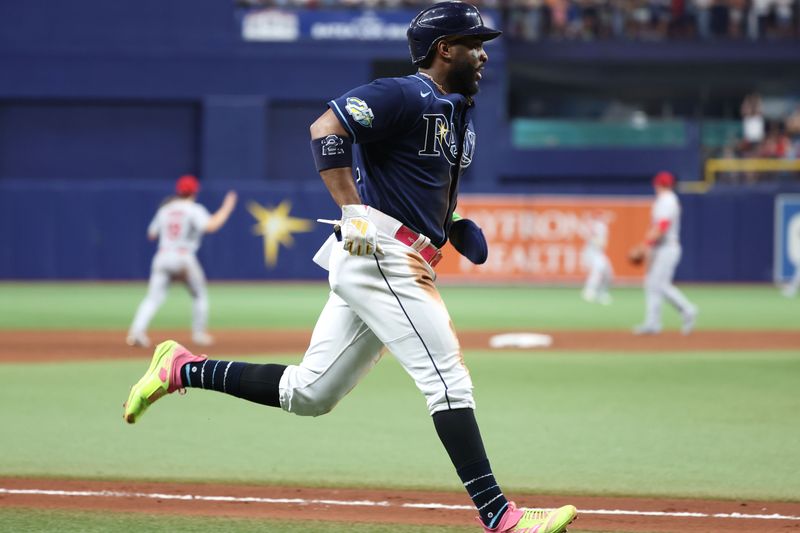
(332,151)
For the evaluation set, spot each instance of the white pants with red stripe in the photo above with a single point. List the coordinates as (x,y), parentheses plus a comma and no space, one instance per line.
(658,285)
(384,300)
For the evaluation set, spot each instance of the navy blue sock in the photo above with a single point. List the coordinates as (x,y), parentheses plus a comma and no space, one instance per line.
(222,376)
(458,431)
(484,491)
(257,383)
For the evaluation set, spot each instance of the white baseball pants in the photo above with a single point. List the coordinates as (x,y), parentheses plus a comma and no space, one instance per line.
(658,285)
(598,280)
(165,267)
(387,299)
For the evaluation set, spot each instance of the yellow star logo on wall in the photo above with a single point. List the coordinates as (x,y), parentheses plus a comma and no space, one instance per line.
(277,227)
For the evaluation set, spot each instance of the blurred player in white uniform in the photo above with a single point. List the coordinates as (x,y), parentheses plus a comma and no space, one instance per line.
(596,262)
(663,242)
(179,226)
(793,245)
(791,288)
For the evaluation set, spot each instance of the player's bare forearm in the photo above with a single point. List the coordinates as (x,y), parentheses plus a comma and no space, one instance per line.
(339,181)
(652,236)
(656,232)
(220,217)
(340,184)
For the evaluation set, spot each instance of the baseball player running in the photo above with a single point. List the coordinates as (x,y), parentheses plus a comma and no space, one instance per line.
(664,251)
(179,226)
(391,153)
(596,262)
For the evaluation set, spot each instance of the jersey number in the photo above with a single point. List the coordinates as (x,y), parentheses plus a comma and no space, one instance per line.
(174,230)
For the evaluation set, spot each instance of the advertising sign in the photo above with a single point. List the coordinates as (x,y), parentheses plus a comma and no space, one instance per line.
(540,238)
(281,24)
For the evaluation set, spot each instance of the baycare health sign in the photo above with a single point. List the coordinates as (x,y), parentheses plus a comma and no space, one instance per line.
(274,24)
(540,238)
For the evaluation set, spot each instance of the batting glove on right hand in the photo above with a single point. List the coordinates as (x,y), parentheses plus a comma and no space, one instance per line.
(359,233)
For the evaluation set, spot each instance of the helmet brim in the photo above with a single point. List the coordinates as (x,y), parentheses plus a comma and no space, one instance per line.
(484,33)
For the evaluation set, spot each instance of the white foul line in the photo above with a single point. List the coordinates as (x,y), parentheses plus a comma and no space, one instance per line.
(365,503)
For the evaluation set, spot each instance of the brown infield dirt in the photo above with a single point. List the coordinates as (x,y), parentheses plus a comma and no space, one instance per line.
(27,346)
(644,515)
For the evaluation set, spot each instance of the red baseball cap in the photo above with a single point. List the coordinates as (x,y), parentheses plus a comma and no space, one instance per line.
(187,185)
(664,179)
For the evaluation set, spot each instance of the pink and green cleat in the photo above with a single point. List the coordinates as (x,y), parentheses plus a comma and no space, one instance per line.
(534,520)
(163,377)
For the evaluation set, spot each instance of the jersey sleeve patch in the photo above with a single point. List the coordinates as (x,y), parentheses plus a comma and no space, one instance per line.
(360,111)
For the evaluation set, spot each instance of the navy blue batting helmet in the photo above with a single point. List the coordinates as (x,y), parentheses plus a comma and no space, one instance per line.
(444,19)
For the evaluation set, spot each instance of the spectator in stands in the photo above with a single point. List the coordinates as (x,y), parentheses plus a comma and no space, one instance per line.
(720,18)
(793,131)
(526,19)
(776,144)
(660,18)
(757,18)
(701,9)
(736,18)
(558,10)
(753,125)
(617,18)
(784,18)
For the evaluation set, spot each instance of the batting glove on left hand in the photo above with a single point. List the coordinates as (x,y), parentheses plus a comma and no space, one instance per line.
(359,234)
(468,240)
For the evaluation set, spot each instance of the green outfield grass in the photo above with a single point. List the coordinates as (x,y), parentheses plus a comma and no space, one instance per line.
(682,425)
(699,424)
(37,521)
(15,520)
(272,305)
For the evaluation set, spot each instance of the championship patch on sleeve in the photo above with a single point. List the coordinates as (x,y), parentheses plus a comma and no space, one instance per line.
(360,111)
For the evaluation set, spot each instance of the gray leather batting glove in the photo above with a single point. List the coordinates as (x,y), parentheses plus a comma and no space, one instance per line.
(359,234)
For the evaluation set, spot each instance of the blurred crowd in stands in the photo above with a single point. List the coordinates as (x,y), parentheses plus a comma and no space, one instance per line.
(772,135)
(652,19)
(764,134)
(614,19)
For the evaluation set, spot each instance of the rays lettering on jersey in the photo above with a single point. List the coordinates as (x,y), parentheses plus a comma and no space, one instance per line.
(440,140)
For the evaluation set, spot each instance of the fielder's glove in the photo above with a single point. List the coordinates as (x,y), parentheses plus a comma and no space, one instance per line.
(467,238)
(637,255)
(359,234)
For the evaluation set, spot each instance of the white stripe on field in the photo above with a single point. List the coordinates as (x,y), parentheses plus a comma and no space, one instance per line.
(366,503)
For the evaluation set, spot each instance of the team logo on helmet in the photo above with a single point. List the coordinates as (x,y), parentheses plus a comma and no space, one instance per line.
(360,111)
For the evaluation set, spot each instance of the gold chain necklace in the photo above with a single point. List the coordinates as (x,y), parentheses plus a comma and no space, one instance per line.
(433,81)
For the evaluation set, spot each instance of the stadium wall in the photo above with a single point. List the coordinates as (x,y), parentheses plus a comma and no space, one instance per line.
(103,104)
(95,230)
(232,107)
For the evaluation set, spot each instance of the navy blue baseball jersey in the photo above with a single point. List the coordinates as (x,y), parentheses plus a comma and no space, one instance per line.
(408,137)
